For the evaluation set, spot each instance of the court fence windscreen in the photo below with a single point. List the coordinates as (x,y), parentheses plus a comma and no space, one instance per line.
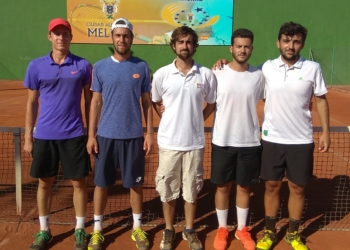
(327,204)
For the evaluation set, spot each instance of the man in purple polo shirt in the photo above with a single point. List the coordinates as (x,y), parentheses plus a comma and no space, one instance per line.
(58,80)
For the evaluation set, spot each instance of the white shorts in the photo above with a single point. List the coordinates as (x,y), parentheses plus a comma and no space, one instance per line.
(176,168)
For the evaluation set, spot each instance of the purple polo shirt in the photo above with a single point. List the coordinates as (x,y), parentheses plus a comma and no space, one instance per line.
(60,89)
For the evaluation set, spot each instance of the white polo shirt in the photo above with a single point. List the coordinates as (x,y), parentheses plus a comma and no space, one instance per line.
(236,122)
(182,123)
(288,91)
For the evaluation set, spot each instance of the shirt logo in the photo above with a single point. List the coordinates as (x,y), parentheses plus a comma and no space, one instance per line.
(300,79)
(199,85)
(138,179)
(266,132)
(74,72)
(136,76)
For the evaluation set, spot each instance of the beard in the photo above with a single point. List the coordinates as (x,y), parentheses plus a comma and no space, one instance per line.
(289,57)
(122,51)
(241,61)
(185,56)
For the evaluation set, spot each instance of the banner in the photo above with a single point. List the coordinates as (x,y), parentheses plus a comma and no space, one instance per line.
(153,20)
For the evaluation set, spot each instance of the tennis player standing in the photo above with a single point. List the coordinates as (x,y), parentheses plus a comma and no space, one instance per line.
(116,134)
(182,86)
(236,149)
(58,80)
(287,131)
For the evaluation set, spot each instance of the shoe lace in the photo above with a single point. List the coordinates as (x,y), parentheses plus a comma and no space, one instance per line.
(297,237)
(80,235)
(246,234)
(96,237)
(193,235)
(222,233)
(267,236)
(40,237)
(168,236)
(139,234)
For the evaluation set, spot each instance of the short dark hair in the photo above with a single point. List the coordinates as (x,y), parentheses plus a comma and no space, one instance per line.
(243,33)
(292,29)
(183,31)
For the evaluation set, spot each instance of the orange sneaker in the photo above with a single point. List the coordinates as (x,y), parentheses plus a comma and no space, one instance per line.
(220,241)
(244,236)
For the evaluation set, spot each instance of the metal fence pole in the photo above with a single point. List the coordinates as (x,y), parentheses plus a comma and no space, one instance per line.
(18,163)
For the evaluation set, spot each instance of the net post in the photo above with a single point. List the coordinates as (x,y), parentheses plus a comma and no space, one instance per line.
(18,164)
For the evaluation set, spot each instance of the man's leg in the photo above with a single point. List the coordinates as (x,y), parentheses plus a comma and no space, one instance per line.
(44,199)
(136,200)
(80,205)
(169,213)
(80,199)
(272,203)
(242,206)
(190,213)
(222,204)
(295,208)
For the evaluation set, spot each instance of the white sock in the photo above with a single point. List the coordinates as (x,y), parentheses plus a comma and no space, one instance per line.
(44,222)
(242,215)
(98,222)
(222,217)
(80,222)
(137,220)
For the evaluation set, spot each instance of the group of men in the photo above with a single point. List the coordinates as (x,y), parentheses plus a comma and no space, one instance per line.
(112,94)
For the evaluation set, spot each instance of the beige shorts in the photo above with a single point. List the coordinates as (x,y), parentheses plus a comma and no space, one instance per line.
(176,168)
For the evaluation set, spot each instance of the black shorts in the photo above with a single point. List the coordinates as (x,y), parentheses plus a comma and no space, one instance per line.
(295,161)
(127,154)
(72,154)
(240,164)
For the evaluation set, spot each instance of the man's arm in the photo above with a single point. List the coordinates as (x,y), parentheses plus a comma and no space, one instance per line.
(323,113)
(94,118)
(158,108)
(209,108)
(148,114)
(87,104)
(31,115)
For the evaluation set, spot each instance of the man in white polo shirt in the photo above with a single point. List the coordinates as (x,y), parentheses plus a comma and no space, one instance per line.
(287,134)
(183,87)
(236,149)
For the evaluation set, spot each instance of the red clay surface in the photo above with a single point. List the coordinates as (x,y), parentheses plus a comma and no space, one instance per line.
(13,99)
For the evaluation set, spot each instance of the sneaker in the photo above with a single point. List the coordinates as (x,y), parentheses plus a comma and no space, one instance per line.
(96,240)
(220,242)
(192,239)
(294,240)
(269,238)
(80,239)
(167,241)
(41,240)
(244,236)
(139,236)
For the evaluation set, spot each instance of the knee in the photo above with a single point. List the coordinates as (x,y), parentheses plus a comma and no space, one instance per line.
(296,189)
(79,183)
(272,186)
(223,189)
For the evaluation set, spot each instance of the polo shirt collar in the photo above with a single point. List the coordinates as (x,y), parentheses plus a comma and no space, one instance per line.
(297,64)
(174,70)
(68,60)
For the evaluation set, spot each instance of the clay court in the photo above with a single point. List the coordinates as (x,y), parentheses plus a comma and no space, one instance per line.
(326,220)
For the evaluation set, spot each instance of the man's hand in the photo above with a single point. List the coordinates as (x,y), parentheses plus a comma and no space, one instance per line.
(148,143)
(324,142)
(92,146)
(28,147)
(220,64)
